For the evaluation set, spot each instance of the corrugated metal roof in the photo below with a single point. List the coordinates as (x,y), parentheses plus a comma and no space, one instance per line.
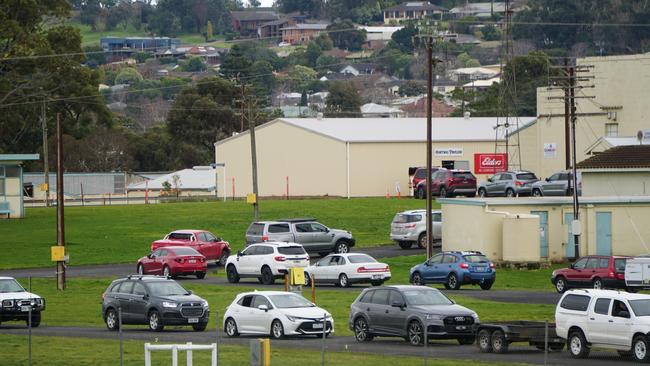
(195,179)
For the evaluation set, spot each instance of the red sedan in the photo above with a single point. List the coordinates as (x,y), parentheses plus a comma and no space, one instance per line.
(173,261)
(204,242)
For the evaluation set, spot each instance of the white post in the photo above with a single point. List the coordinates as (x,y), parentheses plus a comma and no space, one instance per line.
(224,183)
(147,355)
(174,355)
(214,354)
(189,353)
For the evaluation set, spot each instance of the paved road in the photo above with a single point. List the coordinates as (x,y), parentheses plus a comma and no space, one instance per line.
(385,346)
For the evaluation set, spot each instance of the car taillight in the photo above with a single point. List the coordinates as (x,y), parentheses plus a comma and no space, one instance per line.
(409,226)
(265,238)
(280,258)
(612,274)
(519,183)
(202,260)
(180,260)
(387,268)
(104,296)
(362,269)
(464,265)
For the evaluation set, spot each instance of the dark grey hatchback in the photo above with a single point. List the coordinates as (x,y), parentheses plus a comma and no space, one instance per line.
(153,300)
(405,311)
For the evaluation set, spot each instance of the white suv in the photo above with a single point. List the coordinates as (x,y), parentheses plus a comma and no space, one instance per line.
(607,319)
(266,261)
(410,227)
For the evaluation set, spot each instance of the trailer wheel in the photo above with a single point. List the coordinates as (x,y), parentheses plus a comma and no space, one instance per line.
(483,341)
(499,342)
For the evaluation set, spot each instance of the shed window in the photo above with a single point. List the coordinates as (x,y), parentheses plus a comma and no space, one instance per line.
(611,129)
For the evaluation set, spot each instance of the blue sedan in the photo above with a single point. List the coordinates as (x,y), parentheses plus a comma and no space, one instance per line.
(454,269)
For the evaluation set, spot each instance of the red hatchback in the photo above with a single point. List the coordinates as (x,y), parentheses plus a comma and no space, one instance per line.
(593,271)
(451,183)
(173,261)
(204,242)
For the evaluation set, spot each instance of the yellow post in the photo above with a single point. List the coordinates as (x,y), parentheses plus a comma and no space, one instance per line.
(266,351)
(296,276)
(313,289)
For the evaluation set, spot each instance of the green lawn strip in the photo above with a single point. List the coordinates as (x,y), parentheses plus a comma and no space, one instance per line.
(122,234)
(64,351)
(80,304)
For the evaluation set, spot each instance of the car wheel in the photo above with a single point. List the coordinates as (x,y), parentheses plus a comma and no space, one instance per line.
(452,282)
(499,342)
(640,350)
(231,274)
(277,330)
(405,244)
(510,192)
(597,283)
(560,285)
(482,193)
(140,269)
(166,272)
(416,279)
(343,280)
(537,193)
(112,320)
(420,193)
(231,328)
(578,345)
(267,276)
(224,257)
(36,319)
(199,327)
(484,342)
(361,331)
(486,285)
(415,333)
(200,275)
(342,247)
(422,241)
(466,340)
(155,323)
(443,192)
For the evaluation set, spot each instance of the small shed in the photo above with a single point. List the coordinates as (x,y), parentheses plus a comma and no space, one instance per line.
(11,184)
(620,171)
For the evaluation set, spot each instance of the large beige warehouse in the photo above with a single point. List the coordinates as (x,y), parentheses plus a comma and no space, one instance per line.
(349,157)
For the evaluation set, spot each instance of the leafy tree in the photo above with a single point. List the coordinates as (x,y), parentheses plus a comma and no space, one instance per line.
(327,62)
(95,55)
(395,62)
(301,76)
(261,76)
(465,60)
(172,86)
(194,64)
(164,23)
(235,63)
(345,36)
(303,99)
(491,33)
(128,75)
(141,57)
(404,38)
(311,7)
(324,42)
(343,100)
(209,32)
(313,53)
(412,88)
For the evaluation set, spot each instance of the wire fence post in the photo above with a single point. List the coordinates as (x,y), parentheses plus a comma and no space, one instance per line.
(545,342)
(322,360)
(29,330)
(426,344)
(216,342)
(119,327)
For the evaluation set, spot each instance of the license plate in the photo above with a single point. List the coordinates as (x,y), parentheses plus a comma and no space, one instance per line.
(479,269)
(318,326)
(192,260)
(193,320)
(461,327)
(25,308)
(376,277)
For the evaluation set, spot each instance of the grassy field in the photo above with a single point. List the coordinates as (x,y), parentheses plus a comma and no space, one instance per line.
(101,352)
(122,234)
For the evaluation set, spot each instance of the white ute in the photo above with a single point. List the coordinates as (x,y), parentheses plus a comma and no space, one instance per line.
(607,319)
(15,302)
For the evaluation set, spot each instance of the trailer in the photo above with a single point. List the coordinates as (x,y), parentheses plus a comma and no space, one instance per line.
(637,273)
(496,337)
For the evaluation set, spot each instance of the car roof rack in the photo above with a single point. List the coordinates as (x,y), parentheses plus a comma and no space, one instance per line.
(304,219)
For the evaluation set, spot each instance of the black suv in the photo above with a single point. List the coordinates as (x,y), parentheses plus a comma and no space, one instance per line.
(153,300)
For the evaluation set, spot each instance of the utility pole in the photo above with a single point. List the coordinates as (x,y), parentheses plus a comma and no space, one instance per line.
(251,126)
(46,159)
(60,224)
(567,129)
(576,206)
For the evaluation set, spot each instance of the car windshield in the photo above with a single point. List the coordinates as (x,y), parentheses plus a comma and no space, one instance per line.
(402,219)
(289,301)
(640,307)
(10,285)
(476,258)
(361,258)
(167,288)
(526,176)
(426,297)
(185,251)
(291,250)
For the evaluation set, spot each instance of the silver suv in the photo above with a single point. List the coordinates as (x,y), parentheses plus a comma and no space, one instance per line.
(314,236)
(407,311)
(410,227)
(558,184)
(508,184)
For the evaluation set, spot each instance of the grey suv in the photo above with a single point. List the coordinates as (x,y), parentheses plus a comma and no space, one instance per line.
(314,236)
(410,227)
(153,300)
(405,311)
(508,184)
(558,184)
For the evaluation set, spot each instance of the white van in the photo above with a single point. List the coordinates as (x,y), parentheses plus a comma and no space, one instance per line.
(637,272)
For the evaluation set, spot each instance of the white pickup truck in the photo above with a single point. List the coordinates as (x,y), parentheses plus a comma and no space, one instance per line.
(637,272)
(607,319)
(15,302)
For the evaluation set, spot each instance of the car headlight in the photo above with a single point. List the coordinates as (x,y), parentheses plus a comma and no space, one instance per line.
(7,303)
(168,304)
(205,304)
(38,301)
(433,317)
(291,318)
(475,316)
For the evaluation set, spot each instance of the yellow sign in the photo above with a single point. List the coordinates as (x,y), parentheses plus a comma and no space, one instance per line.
(296,276)
(43,187)
(251,198)
(58,253)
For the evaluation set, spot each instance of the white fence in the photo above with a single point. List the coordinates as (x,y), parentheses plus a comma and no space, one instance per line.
(188,347)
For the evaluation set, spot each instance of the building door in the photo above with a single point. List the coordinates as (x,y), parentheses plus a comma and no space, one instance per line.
(543,232)
(570,244)
(604,233)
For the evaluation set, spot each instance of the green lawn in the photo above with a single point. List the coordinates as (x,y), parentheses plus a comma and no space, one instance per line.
(102,352)
(122,234)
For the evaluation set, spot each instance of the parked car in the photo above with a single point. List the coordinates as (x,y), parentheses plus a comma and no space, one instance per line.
(345,269)
(454,269)
(605,318)
(173,261)
(15,302)
(276,313)
(314,236)
(153,300)
(558,184)
(265,261)
(637,273)
(406,311)
(410,227)
(449,183)
(595,271)
(204,242)
(508,184)
(420,175)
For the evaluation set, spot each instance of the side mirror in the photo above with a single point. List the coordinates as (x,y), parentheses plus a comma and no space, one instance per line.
(571,266)
(548,179)
(263,307)
(145,297)
(239,253)
(427,263)
(489,179)
(150,256)
(398,304)
(218,239)
(624,314)
(189,292)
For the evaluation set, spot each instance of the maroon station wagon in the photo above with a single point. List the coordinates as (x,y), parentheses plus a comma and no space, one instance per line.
(593,271)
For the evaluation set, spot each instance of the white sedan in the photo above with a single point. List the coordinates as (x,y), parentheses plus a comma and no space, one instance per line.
(275,313)
(346,269)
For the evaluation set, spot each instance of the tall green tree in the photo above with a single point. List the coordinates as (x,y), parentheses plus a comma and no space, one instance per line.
(345,36)
(343,100)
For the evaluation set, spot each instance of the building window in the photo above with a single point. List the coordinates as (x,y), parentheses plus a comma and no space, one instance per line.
(409,14)
(2,181)
(611,129)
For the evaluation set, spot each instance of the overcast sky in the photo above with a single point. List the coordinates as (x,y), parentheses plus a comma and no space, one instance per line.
(266,3)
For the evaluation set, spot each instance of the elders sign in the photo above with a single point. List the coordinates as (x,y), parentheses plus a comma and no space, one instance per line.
(490,163)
